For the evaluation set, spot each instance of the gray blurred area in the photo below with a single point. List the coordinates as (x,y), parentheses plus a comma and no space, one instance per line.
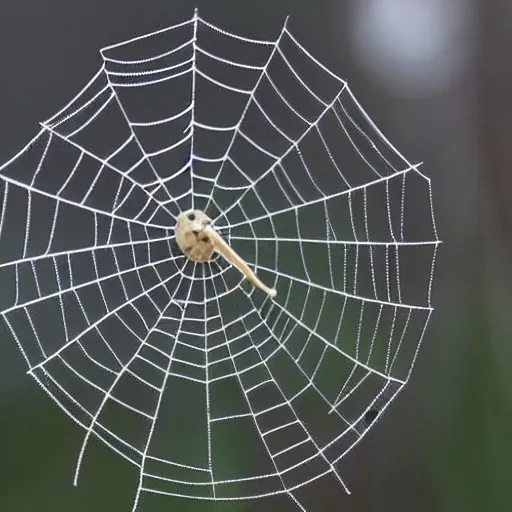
(436,77)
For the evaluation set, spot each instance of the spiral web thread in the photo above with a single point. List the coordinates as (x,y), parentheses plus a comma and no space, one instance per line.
(168,362)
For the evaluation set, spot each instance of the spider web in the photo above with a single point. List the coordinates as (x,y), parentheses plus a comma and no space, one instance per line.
(171,363)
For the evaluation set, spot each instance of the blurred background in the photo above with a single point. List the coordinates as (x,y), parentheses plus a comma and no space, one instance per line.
(436,77)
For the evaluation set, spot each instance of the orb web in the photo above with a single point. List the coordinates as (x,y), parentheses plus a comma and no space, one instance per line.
(170,363)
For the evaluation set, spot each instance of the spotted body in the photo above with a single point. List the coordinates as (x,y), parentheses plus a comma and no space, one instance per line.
(192,238)
(200,242)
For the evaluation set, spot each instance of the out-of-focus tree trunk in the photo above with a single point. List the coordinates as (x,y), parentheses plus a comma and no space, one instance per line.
(495,134)
(490,377)
(495,104)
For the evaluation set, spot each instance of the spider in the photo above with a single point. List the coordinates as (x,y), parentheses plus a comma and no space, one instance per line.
(199,241)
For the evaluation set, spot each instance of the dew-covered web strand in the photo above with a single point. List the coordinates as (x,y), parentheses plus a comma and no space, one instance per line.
(51,128)
(158,406)
(72,287)
(294,143)
(108,393)
(312,332)
(207,384)
(310,383)
(272,379)
(253,414)
(250,99)
(270,169)
(283,276)
(97,322)
(145,155)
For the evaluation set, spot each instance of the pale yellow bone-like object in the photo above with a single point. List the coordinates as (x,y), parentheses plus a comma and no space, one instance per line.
(199,241)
